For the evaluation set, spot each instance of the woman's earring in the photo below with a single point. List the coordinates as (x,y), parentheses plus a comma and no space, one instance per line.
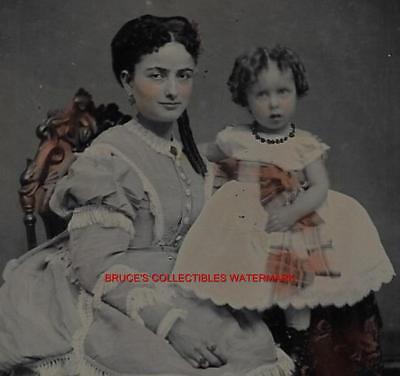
(131,99)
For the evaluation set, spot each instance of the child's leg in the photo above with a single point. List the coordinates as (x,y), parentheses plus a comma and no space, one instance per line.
(297,338)
(298,319)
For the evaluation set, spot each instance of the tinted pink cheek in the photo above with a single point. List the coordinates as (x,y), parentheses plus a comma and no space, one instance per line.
(261,107)
(287,102)
(149,90)
(185,91)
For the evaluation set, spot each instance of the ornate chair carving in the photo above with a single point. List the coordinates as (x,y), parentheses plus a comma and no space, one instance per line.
(63,133)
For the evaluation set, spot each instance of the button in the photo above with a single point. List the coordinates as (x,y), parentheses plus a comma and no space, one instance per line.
(179,237)
(188,192)
(186,220)
(188,205)
(171,258)
(183,176)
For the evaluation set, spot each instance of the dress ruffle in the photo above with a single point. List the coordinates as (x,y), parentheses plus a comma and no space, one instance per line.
(67,365)
(361,258)
(238,244)
(89,215)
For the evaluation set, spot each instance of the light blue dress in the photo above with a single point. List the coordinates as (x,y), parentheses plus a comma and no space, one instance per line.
(131,201)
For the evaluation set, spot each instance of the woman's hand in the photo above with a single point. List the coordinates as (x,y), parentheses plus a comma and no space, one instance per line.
(281,219)
(196,350)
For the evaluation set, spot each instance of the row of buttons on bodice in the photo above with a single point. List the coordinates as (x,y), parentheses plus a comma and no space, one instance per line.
(187,205)
(173,150)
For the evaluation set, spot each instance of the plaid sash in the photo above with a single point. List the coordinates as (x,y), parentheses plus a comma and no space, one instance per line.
(303,250)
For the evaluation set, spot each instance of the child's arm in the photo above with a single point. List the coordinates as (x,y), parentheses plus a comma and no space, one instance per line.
(283,218)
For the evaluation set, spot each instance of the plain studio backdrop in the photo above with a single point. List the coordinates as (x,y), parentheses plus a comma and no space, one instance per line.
(351,49)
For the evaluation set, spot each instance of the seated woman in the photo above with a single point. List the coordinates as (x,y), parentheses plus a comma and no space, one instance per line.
(131,197)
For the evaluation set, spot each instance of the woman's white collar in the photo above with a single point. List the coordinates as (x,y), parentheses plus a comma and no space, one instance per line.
(157,143)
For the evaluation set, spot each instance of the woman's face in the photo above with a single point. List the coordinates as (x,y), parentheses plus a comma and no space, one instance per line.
(162,83)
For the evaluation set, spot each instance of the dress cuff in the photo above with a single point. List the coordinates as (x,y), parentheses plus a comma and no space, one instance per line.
(141,297)
(168,321)
(89,215)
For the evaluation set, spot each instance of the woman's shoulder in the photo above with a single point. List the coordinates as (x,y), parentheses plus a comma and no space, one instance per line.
(98,174)
(116,135)
(122,143)
(101,152)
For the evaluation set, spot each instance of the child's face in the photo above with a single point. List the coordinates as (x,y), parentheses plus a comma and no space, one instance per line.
(272,99)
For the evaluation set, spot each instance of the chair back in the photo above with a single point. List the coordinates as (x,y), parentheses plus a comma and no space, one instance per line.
(61,135)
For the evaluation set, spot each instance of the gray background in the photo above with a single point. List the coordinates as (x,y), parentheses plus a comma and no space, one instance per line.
(50,48)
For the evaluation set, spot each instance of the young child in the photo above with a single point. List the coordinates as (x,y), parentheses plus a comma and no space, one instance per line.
(275,215)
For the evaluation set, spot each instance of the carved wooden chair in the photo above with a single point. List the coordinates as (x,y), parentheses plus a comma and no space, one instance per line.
(63,133)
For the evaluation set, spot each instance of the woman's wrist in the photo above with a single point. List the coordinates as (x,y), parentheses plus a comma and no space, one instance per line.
(169,320)
(152,315)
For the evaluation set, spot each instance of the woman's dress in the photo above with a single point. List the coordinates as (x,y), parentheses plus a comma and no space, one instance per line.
(132,197)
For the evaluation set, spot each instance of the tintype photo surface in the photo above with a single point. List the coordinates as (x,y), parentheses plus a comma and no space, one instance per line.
(214,182)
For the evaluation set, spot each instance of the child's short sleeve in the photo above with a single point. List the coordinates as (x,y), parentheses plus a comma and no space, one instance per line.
(224,140)
(310,148)
(230,141)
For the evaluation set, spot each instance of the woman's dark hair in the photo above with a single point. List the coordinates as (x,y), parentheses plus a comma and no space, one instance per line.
(145,35)
(248,66)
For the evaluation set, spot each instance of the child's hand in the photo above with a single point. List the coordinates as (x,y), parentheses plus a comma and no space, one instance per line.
(281,219)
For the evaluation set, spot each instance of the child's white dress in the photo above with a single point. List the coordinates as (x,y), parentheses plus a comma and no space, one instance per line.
(228,238)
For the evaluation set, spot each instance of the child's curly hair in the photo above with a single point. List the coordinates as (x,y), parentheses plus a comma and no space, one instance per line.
(248,66)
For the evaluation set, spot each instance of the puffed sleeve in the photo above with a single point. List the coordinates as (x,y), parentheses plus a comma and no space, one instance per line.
(98,178)
(101,195)
(310,147)
(225,140)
